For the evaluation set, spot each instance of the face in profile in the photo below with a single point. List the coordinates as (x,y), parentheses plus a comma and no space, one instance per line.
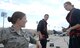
(67,7)
(22,21)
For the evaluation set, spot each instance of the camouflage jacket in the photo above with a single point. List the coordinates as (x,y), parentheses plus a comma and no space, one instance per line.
(12,39)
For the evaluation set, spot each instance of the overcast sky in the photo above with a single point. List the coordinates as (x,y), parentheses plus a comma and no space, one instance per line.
(35,10)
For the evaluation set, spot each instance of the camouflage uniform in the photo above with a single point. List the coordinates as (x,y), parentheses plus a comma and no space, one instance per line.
(12,39)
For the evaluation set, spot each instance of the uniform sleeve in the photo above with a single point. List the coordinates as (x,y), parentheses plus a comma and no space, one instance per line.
(32,40)
(40,26)
(3,35)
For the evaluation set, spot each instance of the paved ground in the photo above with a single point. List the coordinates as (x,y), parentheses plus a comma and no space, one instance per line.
(62,42)
(58,41)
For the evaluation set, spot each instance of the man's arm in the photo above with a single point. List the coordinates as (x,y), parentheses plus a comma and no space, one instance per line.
(39,29)
(40,26)
(40,35)
(3,35)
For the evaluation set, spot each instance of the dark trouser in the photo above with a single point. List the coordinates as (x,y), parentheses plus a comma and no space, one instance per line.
(74,42)
(43,43)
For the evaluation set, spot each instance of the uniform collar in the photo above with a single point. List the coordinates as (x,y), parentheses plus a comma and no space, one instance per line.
(14,30)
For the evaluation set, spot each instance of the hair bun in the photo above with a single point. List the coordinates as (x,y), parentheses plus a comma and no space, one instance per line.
(9,19)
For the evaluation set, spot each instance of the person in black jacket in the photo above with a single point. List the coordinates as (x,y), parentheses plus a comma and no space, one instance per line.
(42,31)
(73,30)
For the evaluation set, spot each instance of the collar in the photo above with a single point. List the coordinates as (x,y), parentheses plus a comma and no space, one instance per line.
(72,9)
(45,21)
(14,30)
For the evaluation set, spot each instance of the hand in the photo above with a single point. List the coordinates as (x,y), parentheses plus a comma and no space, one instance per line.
(38,45)
(68,31)
(64,29)
(41,37)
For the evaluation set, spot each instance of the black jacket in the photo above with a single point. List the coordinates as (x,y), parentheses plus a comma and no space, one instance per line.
(73,17)
(42,27)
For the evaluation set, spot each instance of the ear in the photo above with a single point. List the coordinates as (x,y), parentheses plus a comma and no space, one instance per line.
(18,20)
